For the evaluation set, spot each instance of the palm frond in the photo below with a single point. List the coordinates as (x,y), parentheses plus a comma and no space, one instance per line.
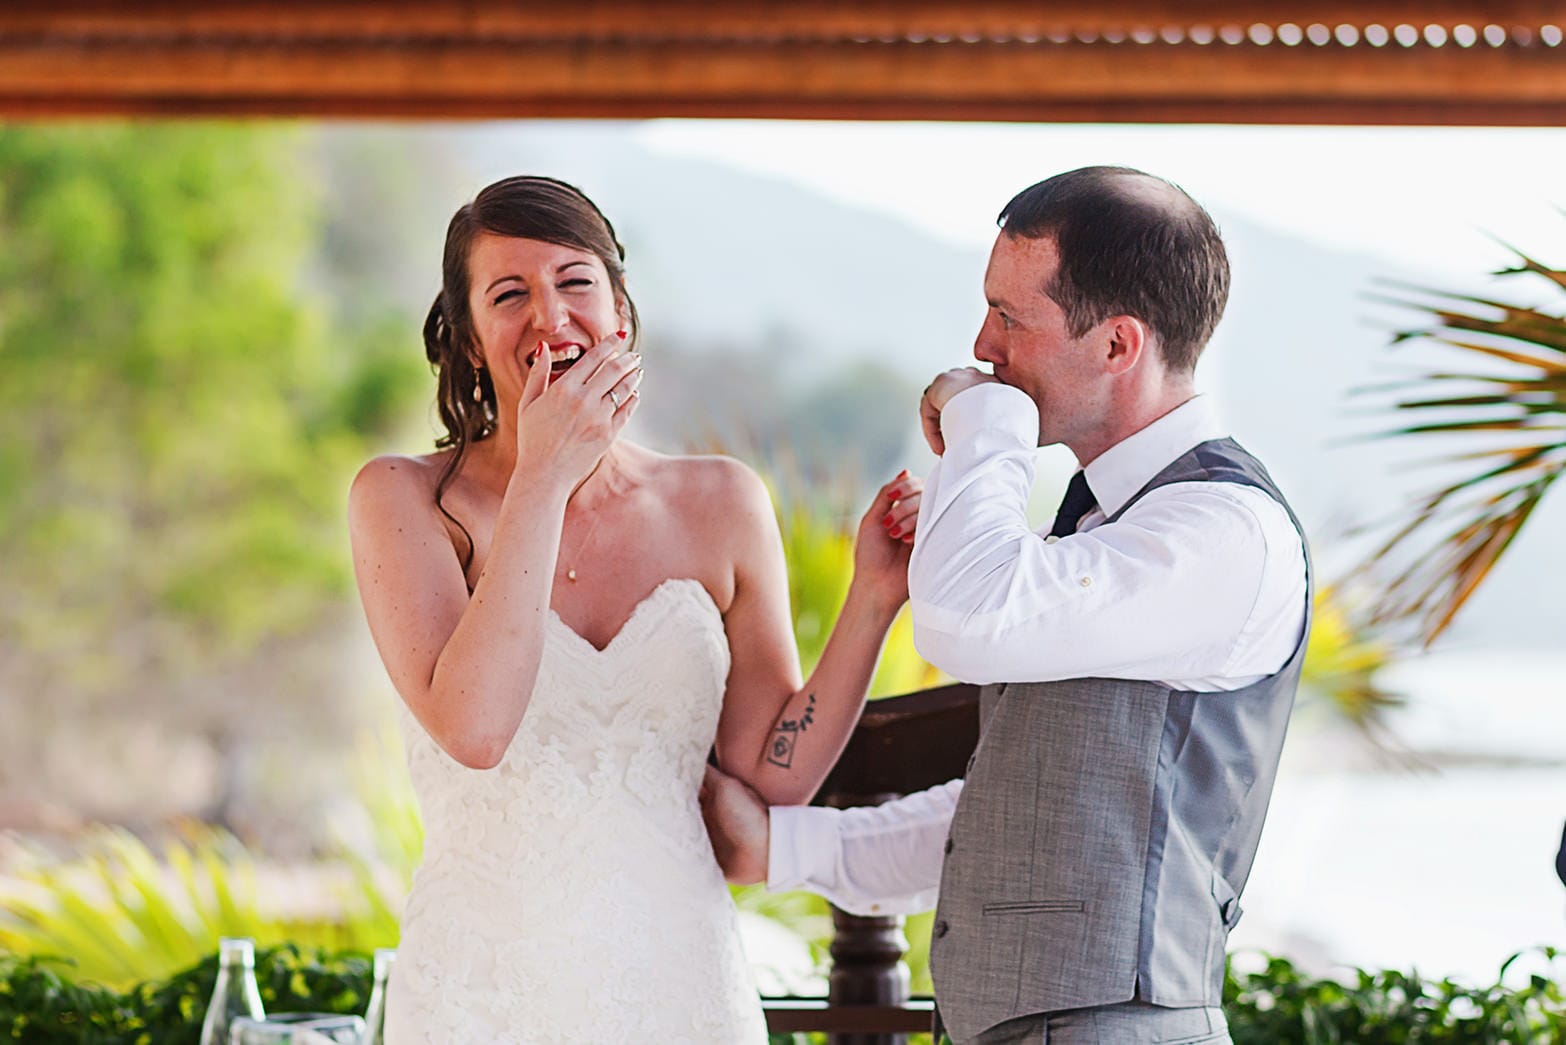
(1554,275)
(1455,312)
(1441,554)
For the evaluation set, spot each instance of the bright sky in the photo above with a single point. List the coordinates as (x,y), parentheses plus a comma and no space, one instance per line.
(1428,195)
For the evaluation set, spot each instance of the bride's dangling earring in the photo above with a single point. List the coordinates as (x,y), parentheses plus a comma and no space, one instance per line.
(478,385)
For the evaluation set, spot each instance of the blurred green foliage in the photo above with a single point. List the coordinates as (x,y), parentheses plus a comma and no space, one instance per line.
(122,912)
(179,412)
(1344,659)
(818,544)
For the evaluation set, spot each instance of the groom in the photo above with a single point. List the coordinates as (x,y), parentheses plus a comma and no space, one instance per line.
(1138,662)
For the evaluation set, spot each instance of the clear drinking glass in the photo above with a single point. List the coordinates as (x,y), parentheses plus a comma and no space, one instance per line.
(298,1028)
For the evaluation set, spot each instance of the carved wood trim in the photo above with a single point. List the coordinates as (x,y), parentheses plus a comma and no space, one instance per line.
(1002,59)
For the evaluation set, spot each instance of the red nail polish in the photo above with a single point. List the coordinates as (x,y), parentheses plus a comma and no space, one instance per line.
(896,531)
(622,335)
(886,520)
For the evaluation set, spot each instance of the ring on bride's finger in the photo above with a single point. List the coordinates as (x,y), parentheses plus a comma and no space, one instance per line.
(614,397)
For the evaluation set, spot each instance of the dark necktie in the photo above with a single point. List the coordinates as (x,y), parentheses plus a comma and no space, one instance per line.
(1079,500)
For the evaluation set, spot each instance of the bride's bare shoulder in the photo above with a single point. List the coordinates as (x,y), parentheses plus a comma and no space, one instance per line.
(713,480)
(401,471)
(396,482)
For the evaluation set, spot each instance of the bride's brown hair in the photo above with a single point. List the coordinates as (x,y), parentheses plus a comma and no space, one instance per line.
(525,207)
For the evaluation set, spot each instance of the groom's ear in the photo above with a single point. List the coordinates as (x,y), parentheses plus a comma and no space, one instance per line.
(1126,340)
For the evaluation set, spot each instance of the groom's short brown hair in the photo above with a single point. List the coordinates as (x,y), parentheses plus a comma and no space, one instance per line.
(1129,244)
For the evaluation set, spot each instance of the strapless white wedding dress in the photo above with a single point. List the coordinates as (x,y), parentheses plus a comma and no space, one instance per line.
(570,894)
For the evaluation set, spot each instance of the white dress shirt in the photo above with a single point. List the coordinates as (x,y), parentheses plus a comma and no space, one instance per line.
(1199,586)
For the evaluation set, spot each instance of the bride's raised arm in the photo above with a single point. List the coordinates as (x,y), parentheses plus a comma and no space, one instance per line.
(777,735)
(465,665)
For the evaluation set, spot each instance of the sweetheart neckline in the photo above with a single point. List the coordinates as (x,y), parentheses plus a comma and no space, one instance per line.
(667,584)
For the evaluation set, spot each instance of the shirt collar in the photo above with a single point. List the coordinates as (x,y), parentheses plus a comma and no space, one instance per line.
(1118,473)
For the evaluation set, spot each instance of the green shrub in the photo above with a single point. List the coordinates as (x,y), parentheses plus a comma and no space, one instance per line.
(1274,1004)
(40,1003)
(1278,1005)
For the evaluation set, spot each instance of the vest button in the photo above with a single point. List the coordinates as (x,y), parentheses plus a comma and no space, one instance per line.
(948,845)
(941,928)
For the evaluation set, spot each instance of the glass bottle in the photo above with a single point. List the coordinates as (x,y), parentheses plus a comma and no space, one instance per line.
(375,1014)
(235,994)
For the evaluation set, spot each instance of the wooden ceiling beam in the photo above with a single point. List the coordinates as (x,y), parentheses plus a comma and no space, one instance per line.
(1221,83)
(805,59)
(714,19)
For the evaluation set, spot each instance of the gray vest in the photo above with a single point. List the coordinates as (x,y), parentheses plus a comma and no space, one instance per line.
(1106,829)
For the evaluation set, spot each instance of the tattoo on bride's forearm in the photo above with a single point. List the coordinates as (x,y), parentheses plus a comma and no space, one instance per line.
(780,752)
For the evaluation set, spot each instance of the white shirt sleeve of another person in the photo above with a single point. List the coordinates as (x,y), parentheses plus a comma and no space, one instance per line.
(869,860)
(1199,586)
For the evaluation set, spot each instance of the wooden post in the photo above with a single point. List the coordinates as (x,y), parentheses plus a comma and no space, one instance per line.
(868,969)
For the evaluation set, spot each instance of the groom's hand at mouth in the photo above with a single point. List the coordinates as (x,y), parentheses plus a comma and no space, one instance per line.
(738,824)
(938,394)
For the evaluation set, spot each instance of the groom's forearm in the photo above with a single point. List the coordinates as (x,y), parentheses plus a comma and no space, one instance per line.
(869,860)
(811,731)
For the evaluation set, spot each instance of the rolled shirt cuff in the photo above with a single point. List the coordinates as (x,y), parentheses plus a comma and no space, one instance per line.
(803,840)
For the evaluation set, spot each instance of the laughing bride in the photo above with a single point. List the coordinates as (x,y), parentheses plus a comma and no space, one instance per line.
(572,622)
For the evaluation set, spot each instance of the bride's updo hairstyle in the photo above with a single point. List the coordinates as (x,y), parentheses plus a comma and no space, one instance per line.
(526,207)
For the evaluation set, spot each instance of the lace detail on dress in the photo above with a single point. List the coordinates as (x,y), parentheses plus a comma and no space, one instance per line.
(570,894)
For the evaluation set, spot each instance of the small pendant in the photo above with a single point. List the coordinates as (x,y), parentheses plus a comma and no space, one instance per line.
(570,575)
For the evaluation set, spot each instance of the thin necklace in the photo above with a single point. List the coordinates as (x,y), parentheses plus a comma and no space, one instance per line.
(582,545)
